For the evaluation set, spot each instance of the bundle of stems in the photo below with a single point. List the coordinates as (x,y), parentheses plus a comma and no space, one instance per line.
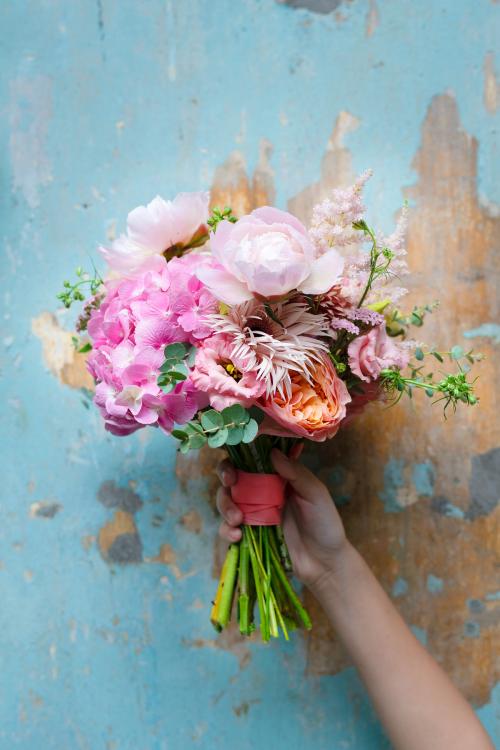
(256,568)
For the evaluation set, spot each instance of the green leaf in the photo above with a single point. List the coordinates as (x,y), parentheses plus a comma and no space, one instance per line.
(197,441)
(419,354)
(456,352)
(184,447)
(218,438)
(179,434)
(175,375)
(235,436)
(437,356)
(85,348)
(211,420)
(429,392)
(175,351)
(191,356)
(250,431)
(235,413)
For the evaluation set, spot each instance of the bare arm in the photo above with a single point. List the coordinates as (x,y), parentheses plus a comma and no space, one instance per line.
(417,703)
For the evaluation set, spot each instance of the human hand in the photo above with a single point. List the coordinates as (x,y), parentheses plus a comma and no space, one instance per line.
(312,526)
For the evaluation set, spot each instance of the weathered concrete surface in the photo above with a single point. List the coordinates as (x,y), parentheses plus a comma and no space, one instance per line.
(106,545)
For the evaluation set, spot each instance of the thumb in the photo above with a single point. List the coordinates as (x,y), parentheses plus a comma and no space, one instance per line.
(302,481)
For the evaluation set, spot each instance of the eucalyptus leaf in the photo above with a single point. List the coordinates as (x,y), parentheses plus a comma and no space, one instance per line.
(218,438)
(250,431)
(211,420)
(235,436)
(235,413)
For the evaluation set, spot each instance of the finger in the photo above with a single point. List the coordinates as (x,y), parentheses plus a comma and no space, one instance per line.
(296,451)
(228,510)
(226,473)
(302,481)
(230,533)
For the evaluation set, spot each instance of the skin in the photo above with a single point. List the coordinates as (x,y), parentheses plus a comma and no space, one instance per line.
(416,702)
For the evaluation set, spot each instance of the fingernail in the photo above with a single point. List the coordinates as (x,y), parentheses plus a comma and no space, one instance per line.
(233,516)
(225,477)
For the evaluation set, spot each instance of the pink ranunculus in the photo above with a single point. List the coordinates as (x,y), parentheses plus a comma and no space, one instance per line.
(314,409)
(226,378)
(373,351)
(267,254)
(157,227)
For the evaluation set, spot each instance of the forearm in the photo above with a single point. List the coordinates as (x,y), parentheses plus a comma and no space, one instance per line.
(418,705)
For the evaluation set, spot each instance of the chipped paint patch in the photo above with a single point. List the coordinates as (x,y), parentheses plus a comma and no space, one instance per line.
(491,91)
(192,521)
(119,541)
(315,6)
(44,509)
(423,478)
(400,587)
(372,18)
(484,484)
(434,584)
(111,495)
(443,506)
(59,354)
(486,330)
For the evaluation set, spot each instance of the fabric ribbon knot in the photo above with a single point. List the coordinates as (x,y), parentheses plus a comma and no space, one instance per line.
(260,497)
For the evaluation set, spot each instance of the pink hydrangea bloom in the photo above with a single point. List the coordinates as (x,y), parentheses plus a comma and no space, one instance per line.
(227,378)
(267,254)
(137,318)
(153,229)
(373,351)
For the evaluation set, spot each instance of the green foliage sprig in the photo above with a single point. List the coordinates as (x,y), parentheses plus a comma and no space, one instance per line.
(231,426)
(218,215)
(175,368)
(380,258)
(72,292)
(397,324)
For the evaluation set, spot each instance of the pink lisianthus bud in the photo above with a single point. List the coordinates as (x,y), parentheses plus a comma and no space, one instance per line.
(224,376)
(156,228)
(373,351)
(314,409)
(267,254)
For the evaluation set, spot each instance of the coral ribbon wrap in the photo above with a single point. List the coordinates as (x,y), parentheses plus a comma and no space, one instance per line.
(260,497)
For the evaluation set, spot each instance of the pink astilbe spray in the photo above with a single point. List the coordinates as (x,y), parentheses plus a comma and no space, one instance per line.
(333,218)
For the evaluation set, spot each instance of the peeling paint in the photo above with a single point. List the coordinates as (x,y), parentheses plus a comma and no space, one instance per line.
(486,330)
(372,18)
(491,84)
(113,496)
(119,541)
(59,353)
(434,584)
(484,485)
(192,521)
(44,509)
(315,6)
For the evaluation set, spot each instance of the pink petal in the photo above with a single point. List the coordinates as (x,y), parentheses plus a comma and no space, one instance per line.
(224,286)
(325,271)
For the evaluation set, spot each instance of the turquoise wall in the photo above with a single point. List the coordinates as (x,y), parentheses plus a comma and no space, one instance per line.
(105,640)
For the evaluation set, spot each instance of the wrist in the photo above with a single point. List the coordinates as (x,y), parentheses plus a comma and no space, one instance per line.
(340,563)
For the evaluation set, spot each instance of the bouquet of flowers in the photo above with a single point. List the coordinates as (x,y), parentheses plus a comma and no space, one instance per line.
(250,334)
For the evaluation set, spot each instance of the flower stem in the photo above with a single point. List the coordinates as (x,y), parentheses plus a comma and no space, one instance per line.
(243,586)
(292,596)
(221,610)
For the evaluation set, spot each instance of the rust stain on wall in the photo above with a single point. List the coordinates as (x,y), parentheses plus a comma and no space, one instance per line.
(232,186)
(59,354)
(336,169)
(444,546)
